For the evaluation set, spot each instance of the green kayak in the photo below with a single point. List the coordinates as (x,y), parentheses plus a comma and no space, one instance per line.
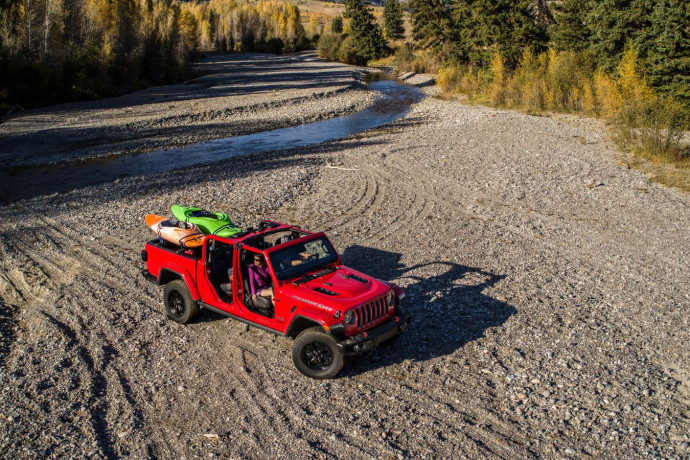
(209,222)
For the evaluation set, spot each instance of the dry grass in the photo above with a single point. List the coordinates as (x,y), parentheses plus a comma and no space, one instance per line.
(643,122)
(676,174)
(323,9)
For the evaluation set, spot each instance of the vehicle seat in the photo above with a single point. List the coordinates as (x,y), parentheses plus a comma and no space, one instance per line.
(226,288)
(282,239)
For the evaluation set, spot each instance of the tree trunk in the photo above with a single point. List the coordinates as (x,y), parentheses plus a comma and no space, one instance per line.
(46,29)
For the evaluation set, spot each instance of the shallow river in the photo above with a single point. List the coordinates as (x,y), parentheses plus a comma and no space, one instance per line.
(393,101)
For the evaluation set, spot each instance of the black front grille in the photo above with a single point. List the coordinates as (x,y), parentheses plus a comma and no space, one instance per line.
(371,313)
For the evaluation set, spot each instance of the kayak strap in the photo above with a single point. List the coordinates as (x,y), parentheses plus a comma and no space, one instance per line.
(160,236)
(183,241)
(223,227)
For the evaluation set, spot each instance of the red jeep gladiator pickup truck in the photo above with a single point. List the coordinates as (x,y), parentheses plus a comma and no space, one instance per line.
(330,310)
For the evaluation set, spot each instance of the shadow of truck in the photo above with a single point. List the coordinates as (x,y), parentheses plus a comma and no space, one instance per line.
(448,306)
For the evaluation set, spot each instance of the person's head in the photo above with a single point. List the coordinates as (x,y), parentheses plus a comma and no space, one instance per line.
(259,259)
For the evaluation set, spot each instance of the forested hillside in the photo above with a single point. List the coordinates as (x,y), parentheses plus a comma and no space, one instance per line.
(624,60)
(61,50)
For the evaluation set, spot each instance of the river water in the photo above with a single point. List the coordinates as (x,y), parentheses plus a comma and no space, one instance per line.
(393,101)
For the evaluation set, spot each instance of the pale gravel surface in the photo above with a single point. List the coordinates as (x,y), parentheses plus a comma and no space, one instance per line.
(548,284)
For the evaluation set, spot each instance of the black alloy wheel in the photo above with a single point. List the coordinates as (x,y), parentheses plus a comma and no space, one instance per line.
(176,304)
(316,354)
(180,306)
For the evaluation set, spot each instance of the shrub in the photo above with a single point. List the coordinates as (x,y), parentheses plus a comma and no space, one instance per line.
(348,53)
(328,45)
(652,128)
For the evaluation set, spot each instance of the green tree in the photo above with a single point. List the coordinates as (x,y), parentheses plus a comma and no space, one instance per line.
(614,23)
(571,32)
(430,23)
(366,37)
(337,25)
(668,57)
(486,27)
(393,25)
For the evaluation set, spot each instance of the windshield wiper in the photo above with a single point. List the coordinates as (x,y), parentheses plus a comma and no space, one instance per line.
(314,275)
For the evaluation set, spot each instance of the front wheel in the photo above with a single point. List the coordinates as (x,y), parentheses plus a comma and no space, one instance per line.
(316,354)
(180,306)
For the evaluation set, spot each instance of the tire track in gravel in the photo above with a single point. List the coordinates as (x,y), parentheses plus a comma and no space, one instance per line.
(33,262)
(480,427)
(111,395)
(51,267)
(254,391)
(366,200)
(97,384)
(378,187)
(424,197)
(484,429)
(94,259)
(254,387)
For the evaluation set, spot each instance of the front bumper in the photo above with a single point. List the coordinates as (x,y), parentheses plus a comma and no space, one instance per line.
(367,340)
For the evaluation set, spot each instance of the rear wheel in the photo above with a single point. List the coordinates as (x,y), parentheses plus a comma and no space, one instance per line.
(179,304)
(316,354)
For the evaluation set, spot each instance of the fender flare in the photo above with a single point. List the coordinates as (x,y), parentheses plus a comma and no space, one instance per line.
(299,322)
(168,274)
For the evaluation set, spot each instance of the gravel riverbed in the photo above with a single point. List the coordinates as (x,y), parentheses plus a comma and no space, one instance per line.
(548,285)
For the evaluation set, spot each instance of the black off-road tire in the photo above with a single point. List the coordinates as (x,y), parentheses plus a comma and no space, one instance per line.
(316,354)
(179,304)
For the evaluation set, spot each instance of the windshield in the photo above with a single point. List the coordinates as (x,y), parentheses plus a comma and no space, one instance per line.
(302,258)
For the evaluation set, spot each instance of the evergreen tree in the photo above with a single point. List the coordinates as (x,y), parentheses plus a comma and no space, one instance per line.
(430,23)
(393,26)
(570,33)
(614,23)
(337,25)
(486,27)
(365,34)
(668,59)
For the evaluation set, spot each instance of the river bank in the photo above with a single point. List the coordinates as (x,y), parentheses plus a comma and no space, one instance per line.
(233,95)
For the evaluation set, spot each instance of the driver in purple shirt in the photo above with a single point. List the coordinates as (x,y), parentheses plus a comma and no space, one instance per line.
(259,279)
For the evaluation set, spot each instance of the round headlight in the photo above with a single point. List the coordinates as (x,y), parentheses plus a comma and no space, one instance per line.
(350,317)
(390,299)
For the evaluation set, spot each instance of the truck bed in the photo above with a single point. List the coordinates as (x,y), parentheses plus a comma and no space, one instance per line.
(175,249)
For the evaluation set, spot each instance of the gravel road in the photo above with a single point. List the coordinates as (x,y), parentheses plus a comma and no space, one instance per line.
(548,283)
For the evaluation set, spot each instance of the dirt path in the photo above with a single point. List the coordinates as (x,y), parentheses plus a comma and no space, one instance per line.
(548,286)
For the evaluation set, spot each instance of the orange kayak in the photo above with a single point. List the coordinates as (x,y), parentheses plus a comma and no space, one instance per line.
(183,234)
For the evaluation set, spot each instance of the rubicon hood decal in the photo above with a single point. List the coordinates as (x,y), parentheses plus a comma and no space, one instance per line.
(312,303)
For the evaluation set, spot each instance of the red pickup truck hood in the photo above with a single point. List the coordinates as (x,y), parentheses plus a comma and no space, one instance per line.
(340,290)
